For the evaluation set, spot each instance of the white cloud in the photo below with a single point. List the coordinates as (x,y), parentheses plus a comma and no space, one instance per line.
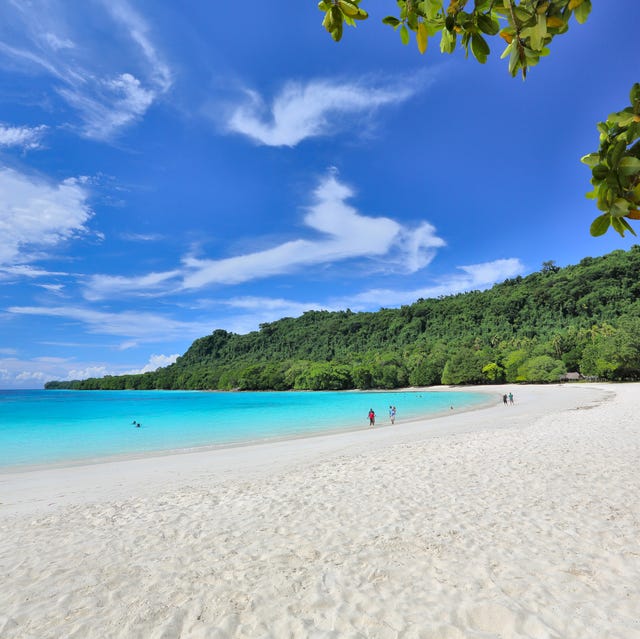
(344,234)
(57,43)
(33,373)
(36,214)
(155,362)
(138,31)
(474,276)
(107,286)
(106,96)
(115,103)
(20,57)
(282,307)
(255,310)
(142,237)
(491,272)
(83,373)
(52,288)
(340,233)
(28,138)
(318,108)
(16,373)
(136,326)
(24,270)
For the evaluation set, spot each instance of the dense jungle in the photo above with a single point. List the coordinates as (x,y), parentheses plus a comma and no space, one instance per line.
(582,319)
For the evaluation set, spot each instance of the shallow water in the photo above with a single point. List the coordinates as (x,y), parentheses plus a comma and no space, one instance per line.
(57,426)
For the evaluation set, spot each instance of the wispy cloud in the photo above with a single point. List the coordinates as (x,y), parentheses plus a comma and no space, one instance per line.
(57,43)
(110,286)
(472,277)
(37,214)
(339,233)
(106,97)
(318,108)
(138,30)
(27,138)
(136,326)
(112,104)
(141,237)
(27,271)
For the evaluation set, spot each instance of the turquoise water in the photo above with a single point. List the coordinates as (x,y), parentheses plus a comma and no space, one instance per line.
(57,427)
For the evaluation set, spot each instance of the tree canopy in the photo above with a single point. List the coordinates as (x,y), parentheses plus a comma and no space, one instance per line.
(579,318)
(525,28)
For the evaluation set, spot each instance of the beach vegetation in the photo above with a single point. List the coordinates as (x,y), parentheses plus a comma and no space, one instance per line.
(583,318)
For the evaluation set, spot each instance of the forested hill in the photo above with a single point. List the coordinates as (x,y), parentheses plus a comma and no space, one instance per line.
(583,318)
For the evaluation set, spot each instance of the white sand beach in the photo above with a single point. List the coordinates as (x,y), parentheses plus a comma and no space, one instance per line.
(505,522)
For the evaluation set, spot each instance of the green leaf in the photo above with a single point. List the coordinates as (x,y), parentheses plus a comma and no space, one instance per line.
(507,50)
(447,42)
(348,8)
(404,34)
(538,33)
(479,47)
(432,7)
(526,18)
(582,12)
(621,225)
(600,225)
(487,24)
(590,159)
(482,5)
(615,152)
(514,60)
(629,165)
(391,21)
(600,171)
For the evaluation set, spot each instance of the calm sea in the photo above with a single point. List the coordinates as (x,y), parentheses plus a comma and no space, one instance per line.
(41,427)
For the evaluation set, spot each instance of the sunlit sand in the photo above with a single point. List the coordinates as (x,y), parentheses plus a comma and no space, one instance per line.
(515,521)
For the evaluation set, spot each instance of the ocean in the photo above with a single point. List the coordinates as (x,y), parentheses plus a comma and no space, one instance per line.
(60,427)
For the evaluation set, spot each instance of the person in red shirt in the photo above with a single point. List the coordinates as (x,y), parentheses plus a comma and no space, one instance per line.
(372,417)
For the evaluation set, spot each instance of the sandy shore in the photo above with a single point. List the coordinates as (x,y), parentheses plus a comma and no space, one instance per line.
(509,522)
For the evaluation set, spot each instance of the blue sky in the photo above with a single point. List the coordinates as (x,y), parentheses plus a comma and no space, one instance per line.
(169,169)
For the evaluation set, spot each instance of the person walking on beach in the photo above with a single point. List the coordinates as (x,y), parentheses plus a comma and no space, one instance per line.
(504,399)
(392,414)
(511,398)
(372,417)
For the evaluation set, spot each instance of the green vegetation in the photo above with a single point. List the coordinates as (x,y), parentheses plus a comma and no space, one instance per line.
(582,318)
(525,28)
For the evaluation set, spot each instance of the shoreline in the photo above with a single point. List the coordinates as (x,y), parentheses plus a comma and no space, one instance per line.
(143,454)
(517,522)
(59,482)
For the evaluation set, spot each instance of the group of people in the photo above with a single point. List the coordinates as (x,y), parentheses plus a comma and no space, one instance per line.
(392,416)
(507,399)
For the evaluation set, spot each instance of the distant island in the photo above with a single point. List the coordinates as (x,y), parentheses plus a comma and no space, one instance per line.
(557,323)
